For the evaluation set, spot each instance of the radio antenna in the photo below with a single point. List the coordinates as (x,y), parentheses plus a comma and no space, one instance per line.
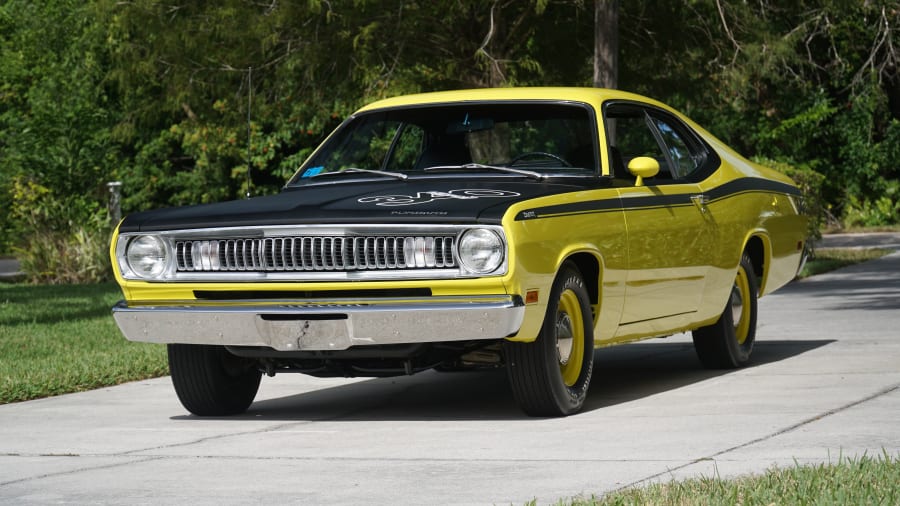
(249,143)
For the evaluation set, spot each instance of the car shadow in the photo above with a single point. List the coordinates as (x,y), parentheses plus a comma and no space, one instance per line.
(621,374)
(631,372)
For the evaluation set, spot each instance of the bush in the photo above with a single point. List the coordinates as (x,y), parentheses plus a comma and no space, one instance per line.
(63,240)
(79,256)
(874,212)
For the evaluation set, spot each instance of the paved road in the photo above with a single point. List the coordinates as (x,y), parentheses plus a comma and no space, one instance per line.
(886,240)
(10,269)
(826,383)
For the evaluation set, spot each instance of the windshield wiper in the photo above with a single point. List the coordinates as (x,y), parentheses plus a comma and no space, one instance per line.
(470,166)
(354,170)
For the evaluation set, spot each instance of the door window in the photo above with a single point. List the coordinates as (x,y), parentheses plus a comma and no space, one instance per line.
(634,130)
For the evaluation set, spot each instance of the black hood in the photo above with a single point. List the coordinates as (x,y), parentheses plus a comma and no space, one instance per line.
(411,201)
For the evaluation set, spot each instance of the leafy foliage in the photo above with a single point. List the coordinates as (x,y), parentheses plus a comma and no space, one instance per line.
(55,121)
(158,94)
(66,239)
(812,84)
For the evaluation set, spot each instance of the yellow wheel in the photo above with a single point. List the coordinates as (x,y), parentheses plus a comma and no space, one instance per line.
(569,337)
(550,377)
(740,306)
(728,342)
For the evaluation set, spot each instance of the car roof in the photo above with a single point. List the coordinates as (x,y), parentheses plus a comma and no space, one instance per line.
(594,96)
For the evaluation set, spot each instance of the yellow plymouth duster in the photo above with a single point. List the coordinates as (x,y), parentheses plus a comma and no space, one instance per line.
(516,228)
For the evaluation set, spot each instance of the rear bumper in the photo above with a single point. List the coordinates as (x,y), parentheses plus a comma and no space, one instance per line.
(321,325)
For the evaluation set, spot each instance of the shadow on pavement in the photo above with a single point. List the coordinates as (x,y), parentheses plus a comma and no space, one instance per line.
(621,374)
(872,285)
(631,372)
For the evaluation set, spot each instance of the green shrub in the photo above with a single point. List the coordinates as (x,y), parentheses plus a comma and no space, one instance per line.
(79,256)
(874,212)
(63,240)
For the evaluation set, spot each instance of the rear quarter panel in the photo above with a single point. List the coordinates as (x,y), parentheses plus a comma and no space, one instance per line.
(749,203)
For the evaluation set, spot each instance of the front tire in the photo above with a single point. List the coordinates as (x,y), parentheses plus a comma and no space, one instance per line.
(210,381)
(551,376)
(728,343)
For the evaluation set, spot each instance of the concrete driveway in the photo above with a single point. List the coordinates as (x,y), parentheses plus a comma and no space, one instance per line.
(825,384)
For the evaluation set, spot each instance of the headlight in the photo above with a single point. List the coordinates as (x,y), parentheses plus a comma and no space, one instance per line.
(147,256)
(481,250)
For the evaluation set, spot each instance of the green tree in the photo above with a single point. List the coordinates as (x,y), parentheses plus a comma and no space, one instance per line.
(56,151)
(186,75)
(158,93)
(811,83)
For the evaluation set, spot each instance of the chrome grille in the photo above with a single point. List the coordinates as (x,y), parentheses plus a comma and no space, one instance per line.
(315,253)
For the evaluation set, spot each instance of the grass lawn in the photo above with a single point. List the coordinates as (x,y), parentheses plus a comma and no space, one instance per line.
(829,259)
(864,480)
(62,338)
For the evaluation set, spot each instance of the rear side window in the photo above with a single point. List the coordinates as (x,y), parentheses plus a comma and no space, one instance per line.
(637,130)
(680,157)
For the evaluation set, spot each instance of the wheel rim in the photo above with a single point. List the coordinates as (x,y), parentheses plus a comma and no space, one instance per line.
(740,306)
(569,337)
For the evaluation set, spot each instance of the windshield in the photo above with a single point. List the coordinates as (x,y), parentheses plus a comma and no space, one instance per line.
(549,139)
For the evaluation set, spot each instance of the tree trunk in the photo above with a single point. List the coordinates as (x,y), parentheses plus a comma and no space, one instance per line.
(606,43)
(892,88)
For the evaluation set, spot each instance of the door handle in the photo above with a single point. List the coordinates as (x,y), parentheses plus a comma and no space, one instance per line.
(700,201)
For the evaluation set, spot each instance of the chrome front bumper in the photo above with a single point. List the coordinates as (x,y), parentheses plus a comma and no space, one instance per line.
(323,324)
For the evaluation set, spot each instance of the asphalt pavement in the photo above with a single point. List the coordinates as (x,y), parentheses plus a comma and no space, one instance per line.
(825,384)
(10,269)
(886,240)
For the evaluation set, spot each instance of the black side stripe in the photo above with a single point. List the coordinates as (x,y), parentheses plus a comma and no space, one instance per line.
(729,189)
(752,184)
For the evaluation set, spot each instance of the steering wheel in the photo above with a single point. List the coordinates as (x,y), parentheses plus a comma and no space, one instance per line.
(535,154)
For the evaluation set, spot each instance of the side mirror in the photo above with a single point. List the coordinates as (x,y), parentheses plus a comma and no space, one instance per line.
(641,167)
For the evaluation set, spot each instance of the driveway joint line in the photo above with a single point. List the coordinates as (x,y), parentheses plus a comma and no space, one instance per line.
(790,428)
(80,469)
(262,430)
(337,416)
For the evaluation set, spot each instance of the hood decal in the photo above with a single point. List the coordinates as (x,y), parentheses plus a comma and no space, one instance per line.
(423,197)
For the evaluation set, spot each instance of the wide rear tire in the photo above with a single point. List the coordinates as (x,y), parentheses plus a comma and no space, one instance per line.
(728,343)
(210,381)
(551,376)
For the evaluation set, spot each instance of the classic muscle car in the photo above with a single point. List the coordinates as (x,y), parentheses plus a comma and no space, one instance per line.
(516,228)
